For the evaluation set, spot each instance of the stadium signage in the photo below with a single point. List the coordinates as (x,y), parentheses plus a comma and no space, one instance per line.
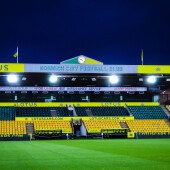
(26,104)
(70,118)
(3,67)
(153,69)
(113,131)
(150,135)
(17,137)
(81,60)
(154,133)
(7,135)
(80,68)
(77,104)
(4,88)
(11,67)
(110,118)
(87,67)
(111,104)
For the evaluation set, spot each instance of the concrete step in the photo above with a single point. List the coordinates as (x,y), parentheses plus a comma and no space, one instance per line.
(167,121)
(30,128)
(124,125)
(73,109)
(129,111)
(166,110)
(89,112)
(53,113)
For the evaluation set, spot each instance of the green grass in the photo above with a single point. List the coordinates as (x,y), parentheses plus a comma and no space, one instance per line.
(86,154)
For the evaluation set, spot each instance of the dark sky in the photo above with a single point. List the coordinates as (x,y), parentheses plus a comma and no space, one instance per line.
(111,31)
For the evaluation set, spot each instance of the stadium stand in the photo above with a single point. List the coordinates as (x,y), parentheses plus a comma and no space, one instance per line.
(59,124)
(148,126)
(7,113)
(12,127)
(41,111)
(147,118)
(134,125)
(101,124)
(147,112)
(19,127)
(102,111)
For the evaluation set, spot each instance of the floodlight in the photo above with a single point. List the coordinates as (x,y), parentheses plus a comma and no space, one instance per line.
(93,79)
(73,79)
(12,78)
(114,79)
(151,79)
(53,79)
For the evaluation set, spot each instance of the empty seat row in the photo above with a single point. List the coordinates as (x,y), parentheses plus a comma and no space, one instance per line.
(7,113)
(147,112)
(104,124)
(148,125)
(63,125)
(101,111)
(12,127)
(134,125)
(41,111)
(19,127)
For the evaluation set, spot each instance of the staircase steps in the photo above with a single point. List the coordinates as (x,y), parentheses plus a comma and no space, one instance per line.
(53,113)
(167,121)
(89,112)
(124,125)
(72,111)
(30,128)
(166,110)
(130,113)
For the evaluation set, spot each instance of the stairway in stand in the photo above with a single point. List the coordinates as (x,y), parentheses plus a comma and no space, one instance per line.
(167,121)
(124,125)
(30,128)
(89,112)
(165,110)
(53,113)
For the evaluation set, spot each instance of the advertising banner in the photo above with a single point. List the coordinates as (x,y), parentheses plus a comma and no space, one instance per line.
(68,89)
(70,118)
(152,135)
(6,67)
(21,137)
(78,104)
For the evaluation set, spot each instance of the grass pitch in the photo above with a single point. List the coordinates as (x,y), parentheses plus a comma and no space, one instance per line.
(86,154)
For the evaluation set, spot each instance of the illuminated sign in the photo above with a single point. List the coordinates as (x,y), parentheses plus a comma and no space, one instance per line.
(5,88)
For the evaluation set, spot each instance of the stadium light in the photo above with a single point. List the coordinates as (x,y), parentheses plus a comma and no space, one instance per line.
(73,79)
(93,79)
(53,79)
(12,78)
(114,79)
(151,79)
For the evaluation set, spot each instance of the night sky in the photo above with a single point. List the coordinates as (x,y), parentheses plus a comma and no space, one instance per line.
(111,31)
